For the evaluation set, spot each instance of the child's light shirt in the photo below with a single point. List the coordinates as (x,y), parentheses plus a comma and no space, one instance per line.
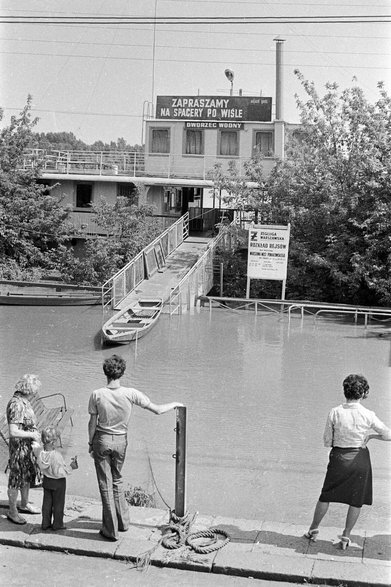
(52,464)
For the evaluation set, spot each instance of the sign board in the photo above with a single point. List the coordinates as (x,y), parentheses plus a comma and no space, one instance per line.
(224,108)
(268,252)
(215,124)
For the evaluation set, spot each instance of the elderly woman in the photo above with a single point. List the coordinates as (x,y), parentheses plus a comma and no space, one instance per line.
(22,432)
(348,479)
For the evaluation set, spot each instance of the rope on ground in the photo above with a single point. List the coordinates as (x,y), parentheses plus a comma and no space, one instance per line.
(178,531)
(212,543)
(179,534)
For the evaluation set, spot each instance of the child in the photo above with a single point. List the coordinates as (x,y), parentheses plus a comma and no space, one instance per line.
(54,471)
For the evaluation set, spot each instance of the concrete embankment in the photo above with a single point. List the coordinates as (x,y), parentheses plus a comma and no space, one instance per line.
(258,549)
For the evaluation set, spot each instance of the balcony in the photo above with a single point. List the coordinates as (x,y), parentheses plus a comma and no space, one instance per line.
(98,163)
(133,164)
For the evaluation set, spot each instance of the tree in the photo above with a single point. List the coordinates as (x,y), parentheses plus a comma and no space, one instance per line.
(245,191)
(333,188)
(67,141)
(129,228)
(32,222)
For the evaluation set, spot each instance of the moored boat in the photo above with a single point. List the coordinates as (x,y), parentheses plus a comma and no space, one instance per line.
(25,293)
(132,322)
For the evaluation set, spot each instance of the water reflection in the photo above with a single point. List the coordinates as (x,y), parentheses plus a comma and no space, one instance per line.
(258,389)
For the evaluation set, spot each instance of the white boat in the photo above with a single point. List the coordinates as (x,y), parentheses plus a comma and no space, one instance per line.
(132,322)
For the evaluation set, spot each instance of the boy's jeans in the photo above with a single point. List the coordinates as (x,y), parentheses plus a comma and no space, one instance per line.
(109,456)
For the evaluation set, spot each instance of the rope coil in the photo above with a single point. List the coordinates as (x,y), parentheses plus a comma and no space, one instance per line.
(213,544)
(179,535)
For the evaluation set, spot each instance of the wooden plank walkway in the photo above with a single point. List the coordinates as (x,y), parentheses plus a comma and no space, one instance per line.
(178,263)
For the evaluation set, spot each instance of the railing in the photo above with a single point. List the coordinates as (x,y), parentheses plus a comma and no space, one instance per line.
(133,164)
(199,280)
(85,225)
(130,163)
(145,264)
(312,308)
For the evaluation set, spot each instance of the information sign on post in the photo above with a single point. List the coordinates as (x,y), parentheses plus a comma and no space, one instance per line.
(268,254)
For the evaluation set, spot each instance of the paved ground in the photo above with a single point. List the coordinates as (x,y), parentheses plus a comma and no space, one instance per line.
(35,568)
(260,549)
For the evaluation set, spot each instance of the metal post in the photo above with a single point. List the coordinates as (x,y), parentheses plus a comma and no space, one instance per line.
(248,288)
(221,279)
(180,462)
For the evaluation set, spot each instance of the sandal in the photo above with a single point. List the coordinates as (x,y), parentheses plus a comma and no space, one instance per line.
(17,520)
(312,535)
(29,509)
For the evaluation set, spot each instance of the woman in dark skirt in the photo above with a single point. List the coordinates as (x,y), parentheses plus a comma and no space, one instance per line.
(22,463)
(348,479)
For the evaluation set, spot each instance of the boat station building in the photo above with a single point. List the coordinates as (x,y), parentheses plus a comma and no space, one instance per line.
(184,140)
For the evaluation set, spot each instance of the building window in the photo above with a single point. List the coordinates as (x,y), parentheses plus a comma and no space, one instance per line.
(128,191)
(229,143)
(264,143)
(83,195)
(172,202)
(160,140)
(194,142)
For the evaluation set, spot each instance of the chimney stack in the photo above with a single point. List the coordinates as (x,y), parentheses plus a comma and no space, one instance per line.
(279,78)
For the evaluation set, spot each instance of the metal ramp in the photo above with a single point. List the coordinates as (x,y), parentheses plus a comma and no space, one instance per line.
(165,280)
(175,267)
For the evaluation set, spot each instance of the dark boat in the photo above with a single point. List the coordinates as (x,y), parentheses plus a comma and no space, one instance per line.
(22,293)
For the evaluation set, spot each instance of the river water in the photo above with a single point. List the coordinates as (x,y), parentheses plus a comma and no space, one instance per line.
(257,388)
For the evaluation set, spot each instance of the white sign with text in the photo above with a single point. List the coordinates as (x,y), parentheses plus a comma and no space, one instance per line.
(268,252)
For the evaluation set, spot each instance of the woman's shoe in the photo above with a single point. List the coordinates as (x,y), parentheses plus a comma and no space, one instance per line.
(344,543)
(16,519)
(29,509)
(312,535)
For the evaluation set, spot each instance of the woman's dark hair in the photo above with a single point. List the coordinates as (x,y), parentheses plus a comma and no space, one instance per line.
(114,367)
(355,387)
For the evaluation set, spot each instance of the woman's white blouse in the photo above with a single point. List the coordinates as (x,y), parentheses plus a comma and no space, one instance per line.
(350,424)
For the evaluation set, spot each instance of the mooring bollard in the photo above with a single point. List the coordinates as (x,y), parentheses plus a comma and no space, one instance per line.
(180,463)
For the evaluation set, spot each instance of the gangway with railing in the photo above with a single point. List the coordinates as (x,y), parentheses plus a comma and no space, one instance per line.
(148,262)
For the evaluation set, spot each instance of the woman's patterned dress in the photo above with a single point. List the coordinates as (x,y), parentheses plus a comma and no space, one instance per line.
(23,467)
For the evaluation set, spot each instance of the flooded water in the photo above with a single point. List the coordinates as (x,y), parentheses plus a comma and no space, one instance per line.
(257,389)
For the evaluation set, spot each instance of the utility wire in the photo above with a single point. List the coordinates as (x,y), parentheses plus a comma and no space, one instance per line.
(192,18)
(246,33)
(205,48)
(162,60)
(245,20)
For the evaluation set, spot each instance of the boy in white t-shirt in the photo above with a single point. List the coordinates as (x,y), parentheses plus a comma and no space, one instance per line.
(55,471)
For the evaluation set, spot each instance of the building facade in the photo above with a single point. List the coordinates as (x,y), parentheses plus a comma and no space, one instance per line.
(184,141)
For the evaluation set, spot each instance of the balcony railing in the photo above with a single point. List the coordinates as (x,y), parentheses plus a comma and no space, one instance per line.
(134,164)
(85,224)
(87,162)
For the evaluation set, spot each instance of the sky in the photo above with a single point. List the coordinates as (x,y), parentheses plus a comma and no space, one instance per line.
(97,80)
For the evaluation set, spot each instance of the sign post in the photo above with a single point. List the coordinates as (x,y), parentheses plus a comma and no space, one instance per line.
(268,254)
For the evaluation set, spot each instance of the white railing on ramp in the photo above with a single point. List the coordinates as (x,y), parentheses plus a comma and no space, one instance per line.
(145,264)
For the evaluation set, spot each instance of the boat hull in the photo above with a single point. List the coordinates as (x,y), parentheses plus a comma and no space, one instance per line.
(132,323)
(19,293)
(49,300)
